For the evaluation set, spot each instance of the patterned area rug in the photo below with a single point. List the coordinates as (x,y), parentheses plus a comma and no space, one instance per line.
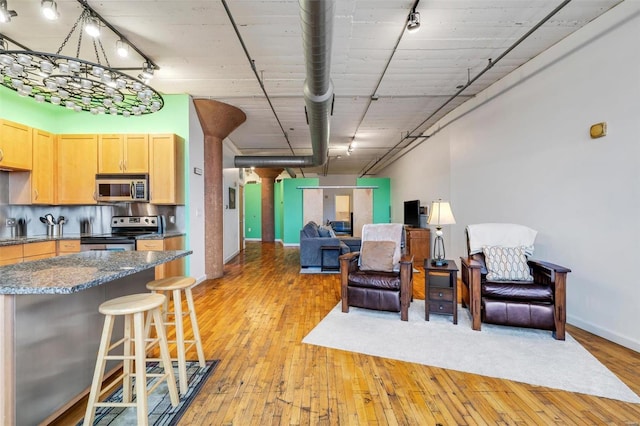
(161,413)
(512,353)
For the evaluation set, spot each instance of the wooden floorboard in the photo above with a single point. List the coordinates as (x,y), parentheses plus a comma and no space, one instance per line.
(254,318)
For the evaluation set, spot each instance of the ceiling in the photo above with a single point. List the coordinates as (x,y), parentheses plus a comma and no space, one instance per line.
(390,84)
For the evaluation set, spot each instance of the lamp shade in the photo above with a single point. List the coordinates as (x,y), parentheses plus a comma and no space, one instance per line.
(441,214)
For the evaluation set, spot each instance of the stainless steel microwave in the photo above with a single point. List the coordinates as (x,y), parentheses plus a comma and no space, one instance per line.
(122,188)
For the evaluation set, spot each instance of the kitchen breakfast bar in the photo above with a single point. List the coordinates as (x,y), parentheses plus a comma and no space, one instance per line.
(50,326)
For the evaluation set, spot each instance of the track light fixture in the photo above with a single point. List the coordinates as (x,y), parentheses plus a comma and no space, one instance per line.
(92,26)
(413,23)
(122,48)
(5,14)
(49,9)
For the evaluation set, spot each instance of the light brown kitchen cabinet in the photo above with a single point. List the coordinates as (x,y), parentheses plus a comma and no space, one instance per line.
(41,250)
(166,169)
(68,247)
(38,185)
(10,254)
(76,169)
(123,153)
(15,146)
(169,269)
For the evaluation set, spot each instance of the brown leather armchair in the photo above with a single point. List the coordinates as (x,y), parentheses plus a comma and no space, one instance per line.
(536,303)
(385,290)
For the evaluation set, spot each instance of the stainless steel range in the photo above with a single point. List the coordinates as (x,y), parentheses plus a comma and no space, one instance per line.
(124,231)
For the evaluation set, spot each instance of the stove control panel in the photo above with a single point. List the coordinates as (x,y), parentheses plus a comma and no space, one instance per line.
(152,222)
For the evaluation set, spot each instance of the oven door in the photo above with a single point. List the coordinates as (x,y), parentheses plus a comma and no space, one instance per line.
(108,246)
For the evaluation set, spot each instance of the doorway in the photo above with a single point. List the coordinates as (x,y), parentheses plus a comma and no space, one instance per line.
(343,208)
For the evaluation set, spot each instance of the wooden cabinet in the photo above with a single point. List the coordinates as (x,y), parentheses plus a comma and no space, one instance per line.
(166,169)
(76,169)
(169,269)
(123,153)
(10,254)
(418,242)
(68,247)
(15,146)
(41,250)
(37,186)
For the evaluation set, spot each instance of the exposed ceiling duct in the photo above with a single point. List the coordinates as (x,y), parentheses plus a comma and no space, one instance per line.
(317,29)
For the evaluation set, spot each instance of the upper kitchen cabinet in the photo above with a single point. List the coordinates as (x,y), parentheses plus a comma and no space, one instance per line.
(166,169)
(37,186)
(123,153)
(15,146)
(76,170)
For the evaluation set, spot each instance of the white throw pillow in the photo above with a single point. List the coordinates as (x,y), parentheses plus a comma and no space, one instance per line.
(506,263)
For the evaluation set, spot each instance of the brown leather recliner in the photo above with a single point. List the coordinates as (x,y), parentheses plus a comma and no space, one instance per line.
(540,303)
(379,290)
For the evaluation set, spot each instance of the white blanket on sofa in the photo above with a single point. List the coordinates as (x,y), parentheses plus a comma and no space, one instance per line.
(500,234)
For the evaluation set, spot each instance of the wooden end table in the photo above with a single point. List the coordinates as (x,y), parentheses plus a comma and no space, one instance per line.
(441,289)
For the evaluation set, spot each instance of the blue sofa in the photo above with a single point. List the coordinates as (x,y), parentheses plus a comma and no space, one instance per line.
(312,238)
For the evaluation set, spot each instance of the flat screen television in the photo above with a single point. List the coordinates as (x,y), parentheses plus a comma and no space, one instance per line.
(412,213)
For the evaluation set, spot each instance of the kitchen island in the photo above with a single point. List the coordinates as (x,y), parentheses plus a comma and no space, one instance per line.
(50,326)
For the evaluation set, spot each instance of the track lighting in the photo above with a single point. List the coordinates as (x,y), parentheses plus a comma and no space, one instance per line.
(5,14)
(49,9)
(122,48)
(92,26)
(413,23)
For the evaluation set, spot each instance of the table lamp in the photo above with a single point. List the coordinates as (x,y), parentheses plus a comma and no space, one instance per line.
(439,215)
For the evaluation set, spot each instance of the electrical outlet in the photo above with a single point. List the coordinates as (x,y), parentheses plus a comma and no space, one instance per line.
(11,221)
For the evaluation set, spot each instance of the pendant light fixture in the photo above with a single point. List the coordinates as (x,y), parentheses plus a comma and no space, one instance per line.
(76,83)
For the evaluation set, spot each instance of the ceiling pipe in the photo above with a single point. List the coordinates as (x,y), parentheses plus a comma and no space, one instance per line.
(317,29)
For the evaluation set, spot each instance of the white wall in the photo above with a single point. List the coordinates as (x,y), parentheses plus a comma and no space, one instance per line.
(195,202)
(520,152)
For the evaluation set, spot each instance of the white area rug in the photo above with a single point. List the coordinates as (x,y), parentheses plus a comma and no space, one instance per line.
(317,270)
(518,354)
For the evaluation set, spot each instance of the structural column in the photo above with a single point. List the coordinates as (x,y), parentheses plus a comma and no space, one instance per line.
(218,120)
(268,223)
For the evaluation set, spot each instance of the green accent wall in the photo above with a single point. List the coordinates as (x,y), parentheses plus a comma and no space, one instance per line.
(253,211)
(292,207)
(381,198)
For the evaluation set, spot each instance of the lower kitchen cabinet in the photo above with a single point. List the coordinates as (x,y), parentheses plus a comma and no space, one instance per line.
(41,250)
(169,269)
(10,254)
(68,247)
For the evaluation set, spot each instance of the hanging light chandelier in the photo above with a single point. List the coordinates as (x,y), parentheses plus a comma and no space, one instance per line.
(78,84)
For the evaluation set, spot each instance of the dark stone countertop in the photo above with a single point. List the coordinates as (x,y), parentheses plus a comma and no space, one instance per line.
(76,272)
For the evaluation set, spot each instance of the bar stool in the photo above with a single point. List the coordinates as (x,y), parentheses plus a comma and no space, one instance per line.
(175,285)
(133,308)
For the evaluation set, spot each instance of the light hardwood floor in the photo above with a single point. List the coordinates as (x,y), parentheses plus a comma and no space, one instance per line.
(254,318)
